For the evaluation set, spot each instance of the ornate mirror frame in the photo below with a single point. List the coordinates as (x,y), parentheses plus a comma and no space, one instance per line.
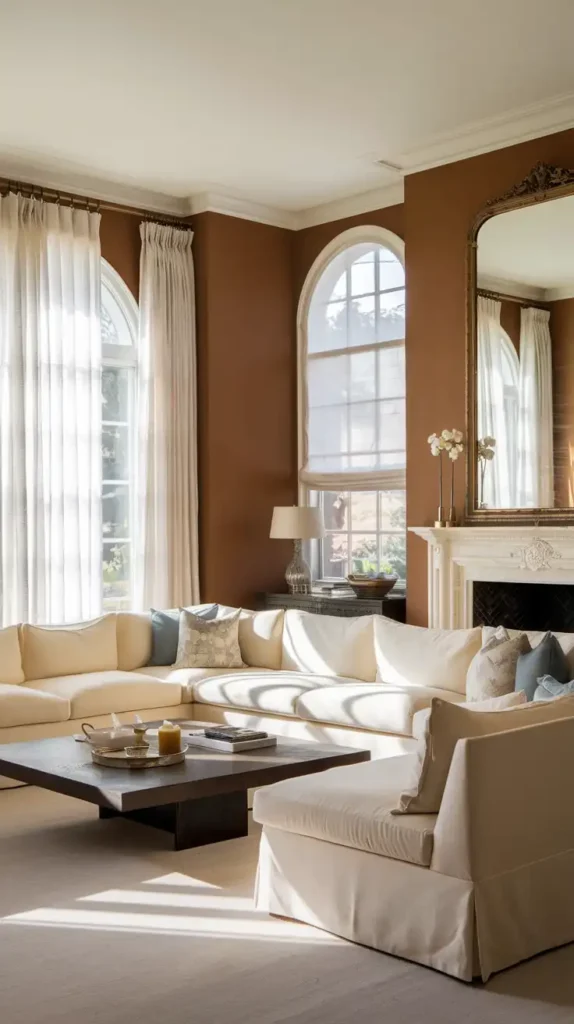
(544,183)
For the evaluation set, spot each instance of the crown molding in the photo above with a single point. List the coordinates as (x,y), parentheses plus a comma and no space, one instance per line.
(518,290)
(351,206)
(506,286)
(236,206)
(509,129)
(94,187)
(556,294)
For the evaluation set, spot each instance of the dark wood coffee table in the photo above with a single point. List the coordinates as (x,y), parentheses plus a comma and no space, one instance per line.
(203,800)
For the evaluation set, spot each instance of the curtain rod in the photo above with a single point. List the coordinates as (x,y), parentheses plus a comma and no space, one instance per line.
(88,203)
(501,297)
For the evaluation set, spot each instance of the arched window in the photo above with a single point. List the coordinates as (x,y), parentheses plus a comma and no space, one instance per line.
(119,322)
(351,327)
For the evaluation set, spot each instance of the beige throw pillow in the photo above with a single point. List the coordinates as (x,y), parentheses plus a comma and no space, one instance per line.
(492,671)
(208,643)
(448,723)
(508,700)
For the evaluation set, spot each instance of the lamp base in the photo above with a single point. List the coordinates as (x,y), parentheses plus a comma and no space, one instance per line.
(298,574)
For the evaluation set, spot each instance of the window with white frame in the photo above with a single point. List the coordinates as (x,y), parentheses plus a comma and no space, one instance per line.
(352,386)
(119,322)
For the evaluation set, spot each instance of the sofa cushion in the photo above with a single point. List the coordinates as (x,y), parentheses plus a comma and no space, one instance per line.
(448,723)
(186,677)
(20,705)
(351,806)
(329,645)
(134,639)
(261,638)
(165,631)
(384,708)
(436,658)
(10,657)
(100,693)
(67,650)
(275,692)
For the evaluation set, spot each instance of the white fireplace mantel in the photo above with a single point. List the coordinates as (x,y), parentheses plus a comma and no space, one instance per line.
(459,555)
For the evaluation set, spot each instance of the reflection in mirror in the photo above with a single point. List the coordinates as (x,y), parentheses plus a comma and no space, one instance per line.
(525,357)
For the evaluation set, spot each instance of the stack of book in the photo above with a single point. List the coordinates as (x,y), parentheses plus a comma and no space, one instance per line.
(229,738)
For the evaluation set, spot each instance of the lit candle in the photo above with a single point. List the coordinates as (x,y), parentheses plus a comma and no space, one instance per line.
(169,738)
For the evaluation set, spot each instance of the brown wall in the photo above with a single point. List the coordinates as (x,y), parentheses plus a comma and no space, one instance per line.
(120,244)
(510,321)
(247,403)
(440,205)
(562,332)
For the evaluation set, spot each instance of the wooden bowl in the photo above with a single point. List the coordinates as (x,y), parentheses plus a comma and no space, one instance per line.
(371,588)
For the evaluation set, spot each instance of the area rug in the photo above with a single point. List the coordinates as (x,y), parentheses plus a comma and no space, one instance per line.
(101,923)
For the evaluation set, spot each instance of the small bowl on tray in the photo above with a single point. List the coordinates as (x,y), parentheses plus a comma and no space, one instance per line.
(368,587)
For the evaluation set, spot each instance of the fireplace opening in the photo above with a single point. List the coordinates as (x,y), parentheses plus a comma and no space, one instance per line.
(545,606)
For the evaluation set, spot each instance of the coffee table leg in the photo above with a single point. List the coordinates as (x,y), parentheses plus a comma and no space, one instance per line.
(210,819)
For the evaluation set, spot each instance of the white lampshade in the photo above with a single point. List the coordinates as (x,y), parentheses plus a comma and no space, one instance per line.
(297,522)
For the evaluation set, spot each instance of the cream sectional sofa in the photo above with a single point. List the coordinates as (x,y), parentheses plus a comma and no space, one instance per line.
(306,676)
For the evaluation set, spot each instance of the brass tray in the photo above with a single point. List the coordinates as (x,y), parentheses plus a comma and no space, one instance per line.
(151,759)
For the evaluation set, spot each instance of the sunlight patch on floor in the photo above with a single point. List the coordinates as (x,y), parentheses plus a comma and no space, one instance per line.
(206,912)
(248,927)
(177,878)
(186,901)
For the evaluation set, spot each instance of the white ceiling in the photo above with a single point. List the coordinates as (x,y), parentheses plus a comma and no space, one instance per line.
(529,252)
(285,103)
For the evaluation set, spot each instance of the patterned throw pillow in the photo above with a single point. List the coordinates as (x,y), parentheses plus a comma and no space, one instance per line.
(205,643)
(492,671)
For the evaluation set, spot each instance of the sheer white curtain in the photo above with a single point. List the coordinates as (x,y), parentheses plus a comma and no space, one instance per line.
(50,412)
(492,419)
(535,441)
(166,564)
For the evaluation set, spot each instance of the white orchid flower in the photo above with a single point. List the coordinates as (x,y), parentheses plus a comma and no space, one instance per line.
(454,453)
(447,435)
(457,436)
(431,438)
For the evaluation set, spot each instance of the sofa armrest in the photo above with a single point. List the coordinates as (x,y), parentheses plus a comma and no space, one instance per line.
(508,801)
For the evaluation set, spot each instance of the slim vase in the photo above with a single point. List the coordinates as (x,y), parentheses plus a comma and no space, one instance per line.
(451,521)
(440,520)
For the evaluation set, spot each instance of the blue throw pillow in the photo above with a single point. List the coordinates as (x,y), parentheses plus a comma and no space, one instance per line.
(548,688)
(547,659)
(165,632)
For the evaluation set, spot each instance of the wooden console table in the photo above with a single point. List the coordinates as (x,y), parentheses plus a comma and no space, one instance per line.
(393,605)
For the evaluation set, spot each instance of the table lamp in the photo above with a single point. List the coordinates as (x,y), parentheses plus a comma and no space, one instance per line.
(297,523)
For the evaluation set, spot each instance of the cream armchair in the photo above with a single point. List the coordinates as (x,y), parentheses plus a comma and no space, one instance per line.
(470,891)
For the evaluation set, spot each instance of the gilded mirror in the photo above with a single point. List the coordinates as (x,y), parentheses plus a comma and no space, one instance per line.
(520,368)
